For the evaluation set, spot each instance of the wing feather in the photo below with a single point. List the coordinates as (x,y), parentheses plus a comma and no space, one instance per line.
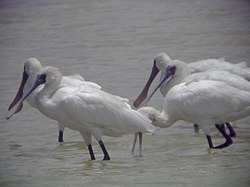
(207,100)
(98,111)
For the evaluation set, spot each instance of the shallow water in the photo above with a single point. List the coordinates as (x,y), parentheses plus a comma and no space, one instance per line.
(113,43)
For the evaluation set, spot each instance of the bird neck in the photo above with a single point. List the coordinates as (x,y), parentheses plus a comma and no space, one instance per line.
(47,92)
(182,69)
(160,119)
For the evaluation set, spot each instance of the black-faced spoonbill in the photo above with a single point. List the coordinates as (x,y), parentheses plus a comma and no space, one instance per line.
(88,110)
(31,68)
(204,102)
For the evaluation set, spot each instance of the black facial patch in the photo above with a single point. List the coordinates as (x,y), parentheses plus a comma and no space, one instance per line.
(154,62)
(42,78)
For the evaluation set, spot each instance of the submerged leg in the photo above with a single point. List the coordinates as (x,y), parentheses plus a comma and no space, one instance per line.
(223,126)
(229,140)
(88,139)
(134,143)
(231,130)
(140,143)
(60,136)
(91,152)
(232,133)
(196,128)
(104,150)
(210,143)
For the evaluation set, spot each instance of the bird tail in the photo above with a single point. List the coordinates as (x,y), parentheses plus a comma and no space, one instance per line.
(145,124)
(242,65)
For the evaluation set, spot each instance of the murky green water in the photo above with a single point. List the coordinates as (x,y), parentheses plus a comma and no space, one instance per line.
(113,43)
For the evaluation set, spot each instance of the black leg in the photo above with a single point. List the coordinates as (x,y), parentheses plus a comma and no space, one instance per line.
(91,152)
(210,143)
(140,143)
(196,128)
(231,130)
(229,140)
(134,143)
(104,150)
(223,126)
(60,136)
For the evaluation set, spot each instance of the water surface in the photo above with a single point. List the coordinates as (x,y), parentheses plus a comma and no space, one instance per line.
(113,43)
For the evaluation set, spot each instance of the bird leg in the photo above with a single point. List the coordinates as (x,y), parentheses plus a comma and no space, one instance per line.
(91,152)
(210,143)
(196,128)
(104,150)
(223,126)
(60,136)
(231,130)
(229,140)
(229,126)
(223,131)
(140,143)
(134,143)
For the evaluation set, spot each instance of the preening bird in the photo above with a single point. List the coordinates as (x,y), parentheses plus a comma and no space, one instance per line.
(204,102)
(183,71)
(183,74)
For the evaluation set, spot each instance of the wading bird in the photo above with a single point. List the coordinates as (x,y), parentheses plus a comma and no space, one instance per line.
(203,102)
(31,68)
(88,110)
(183,70)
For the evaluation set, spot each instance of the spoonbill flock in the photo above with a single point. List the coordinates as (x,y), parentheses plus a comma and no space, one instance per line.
(209,93)
(204,102)
(182,75)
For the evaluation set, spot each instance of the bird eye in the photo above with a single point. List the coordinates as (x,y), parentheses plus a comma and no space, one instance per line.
(171,70)
(42,78)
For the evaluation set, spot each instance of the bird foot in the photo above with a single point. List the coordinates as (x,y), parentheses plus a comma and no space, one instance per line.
(106,157)
(226,144)
(232,134)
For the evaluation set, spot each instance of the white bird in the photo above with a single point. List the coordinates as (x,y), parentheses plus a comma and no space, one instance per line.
(183,70)
(162,60)
(203,102)
(240,69)
(31,68)
(90,111)
(183,74)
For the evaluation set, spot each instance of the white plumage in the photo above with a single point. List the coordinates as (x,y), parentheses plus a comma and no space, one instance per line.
(183,74)
(31,68)
(204,102)
(162,60)
(88,110)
